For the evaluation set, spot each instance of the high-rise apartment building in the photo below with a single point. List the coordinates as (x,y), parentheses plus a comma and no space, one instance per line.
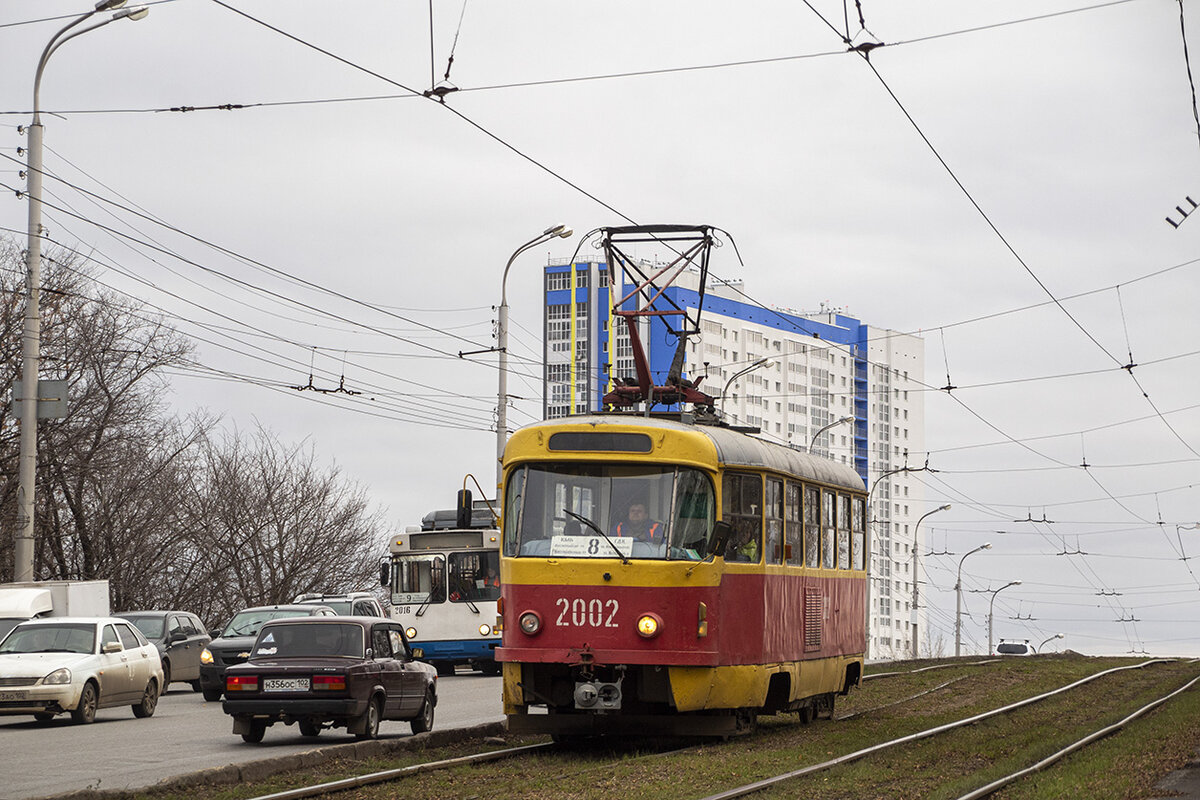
(815,381)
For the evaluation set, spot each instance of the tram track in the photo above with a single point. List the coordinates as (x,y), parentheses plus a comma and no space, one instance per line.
(390,775)
(774,781)
(995,708)
(394,775)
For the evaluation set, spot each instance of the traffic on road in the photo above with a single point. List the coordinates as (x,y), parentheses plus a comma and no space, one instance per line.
(186,734)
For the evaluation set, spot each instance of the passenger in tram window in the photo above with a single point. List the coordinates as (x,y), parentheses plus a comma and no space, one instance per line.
(743,545)
(637,524)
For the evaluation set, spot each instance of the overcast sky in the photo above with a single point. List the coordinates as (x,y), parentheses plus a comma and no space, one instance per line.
(989,179)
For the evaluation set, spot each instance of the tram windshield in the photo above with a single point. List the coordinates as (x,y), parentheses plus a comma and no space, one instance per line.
(608,511)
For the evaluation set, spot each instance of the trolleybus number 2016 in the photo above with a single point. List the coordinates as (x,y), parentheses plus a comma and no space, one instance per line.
(593,613)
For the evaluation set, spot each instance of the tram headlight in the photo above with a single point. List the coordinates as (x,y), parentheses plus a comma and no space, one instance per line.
(485,629)
(530,622)
(411,633)
(649,625)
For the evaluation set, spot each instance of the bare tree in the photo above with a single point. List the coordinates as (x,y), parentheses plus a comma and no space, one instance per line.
(269,523)
(171,513)
(106,472)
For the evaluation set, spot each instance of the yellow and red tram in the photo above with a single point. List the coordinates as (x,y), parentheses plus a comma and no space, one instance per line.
(748,597)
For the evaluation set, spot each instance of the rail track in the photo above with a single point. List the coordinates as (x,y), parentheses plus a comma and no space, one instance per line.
(757,786)
(554,765)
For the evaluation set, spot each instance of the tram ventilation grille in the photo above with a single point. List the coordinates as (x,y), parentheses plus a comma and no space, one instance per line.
(814,612)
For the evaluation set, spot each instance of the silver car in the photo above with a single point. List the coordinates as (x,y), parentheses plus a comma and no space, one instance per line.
(77,665)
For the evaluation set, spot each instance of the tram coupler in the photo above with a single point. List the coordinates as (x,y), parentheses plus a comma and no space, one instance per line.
(597,695)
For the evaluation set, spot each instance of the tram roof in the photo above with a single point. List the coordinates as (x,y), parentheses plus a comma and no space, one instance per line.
(733,447)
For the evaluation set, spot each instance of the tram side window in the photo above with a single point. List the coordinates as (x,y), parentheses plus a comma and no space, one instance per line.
(693,518)
(812,526)
(858,526)
(843,531)
(774,515)
(515,521)
(742,508)
(828,530)
(793,538)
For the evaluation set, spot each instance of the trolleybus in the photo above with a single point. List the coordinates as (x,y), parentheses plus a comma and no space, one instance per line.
(443,579)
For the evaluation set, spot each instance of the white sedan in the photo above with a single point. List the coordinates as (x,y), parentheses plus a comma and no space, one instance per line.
(77,665)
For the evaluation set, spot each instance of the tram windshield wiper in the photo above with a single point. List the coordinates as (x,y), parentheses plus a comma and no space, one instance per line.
(596,528)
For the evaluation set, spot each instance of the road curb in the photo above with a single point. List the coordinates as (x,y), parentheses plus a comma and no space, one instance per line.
(266,767)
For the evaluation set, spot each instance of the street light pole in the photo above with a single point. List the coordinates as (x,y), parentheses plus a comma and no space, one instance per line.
(915,565)
(762,362)
(558,231)
(23,550)
(812,442)
(958,600)
(991,606)
(1051,639)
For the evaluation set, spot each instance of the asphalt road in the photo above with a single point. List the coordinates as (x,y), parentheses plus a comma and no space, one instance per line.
(185,734)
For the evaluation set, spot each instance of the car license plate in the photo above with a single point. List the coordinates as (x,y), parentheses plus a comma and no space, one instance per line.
(285,684)
(12,696)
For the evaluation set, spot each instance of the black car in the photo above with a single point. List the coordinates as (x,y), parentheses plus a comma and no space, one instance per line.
(346,672)
(233,645)
(180,637)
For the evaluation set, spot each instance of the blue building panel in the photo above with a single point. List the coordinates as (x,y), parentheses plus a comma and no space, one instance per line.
(661,344)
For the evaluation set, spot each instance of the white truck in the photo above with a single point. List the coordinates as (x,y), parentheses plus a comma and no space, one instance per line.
(22,601)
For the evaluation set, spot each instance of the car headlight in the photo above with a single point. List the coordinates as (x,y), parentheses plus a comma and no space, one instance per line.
(206,656)
(485,629)
(411,633)
(530,622)
(58,677)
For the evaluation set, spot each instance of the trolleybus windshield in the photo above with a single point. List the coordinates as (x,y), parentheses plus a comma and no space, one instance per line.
(615,511)
(419,578)
(474,576)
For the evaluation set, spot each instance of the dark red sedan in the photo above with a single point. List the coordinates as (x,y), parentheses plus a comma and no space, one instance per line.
(330,672)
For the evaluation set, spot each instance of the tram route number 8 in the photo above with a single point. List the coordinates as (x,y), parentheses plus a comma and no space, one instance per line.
(580,613)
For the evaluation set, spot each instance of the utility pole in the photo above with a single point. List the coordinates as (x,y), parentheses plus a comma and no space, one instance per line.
(31,336)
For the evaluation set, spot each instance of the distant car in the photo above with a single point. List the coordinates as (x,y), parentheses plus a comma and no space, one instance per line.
(77,665)
(233,645)
(180,638)
(357,604)
(1011,647)
(321,673)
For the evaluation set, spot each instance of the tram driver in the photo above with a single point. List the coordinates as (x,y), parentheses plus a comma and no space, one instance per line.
(637,524)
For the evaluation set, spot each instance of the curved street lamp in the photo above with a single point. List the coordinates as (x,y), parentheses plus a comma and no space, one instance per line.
(1051,639)
(556,232)
(915,593)
(762,362)
(991,605)
(958,599)
(812,442)
(32,332)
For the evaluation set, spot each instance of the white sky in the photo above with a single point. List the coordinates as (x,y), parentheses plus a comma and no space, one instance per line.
(1074,134)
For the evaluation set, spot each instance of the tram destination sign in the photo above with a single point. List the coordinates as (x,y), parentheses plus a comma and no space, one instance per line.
(590,546)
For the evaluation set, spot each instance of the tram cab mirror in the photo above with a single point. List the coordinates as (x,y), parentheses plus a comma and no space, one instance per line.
(722,530)
(385,573)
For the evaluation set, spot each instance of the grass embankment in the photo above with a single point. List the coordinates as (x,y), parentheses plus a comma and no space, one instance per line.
(1125,765)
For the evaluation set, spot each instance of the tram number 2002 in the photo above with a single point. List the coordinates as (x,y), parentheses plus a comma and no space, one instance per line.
(580,613)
